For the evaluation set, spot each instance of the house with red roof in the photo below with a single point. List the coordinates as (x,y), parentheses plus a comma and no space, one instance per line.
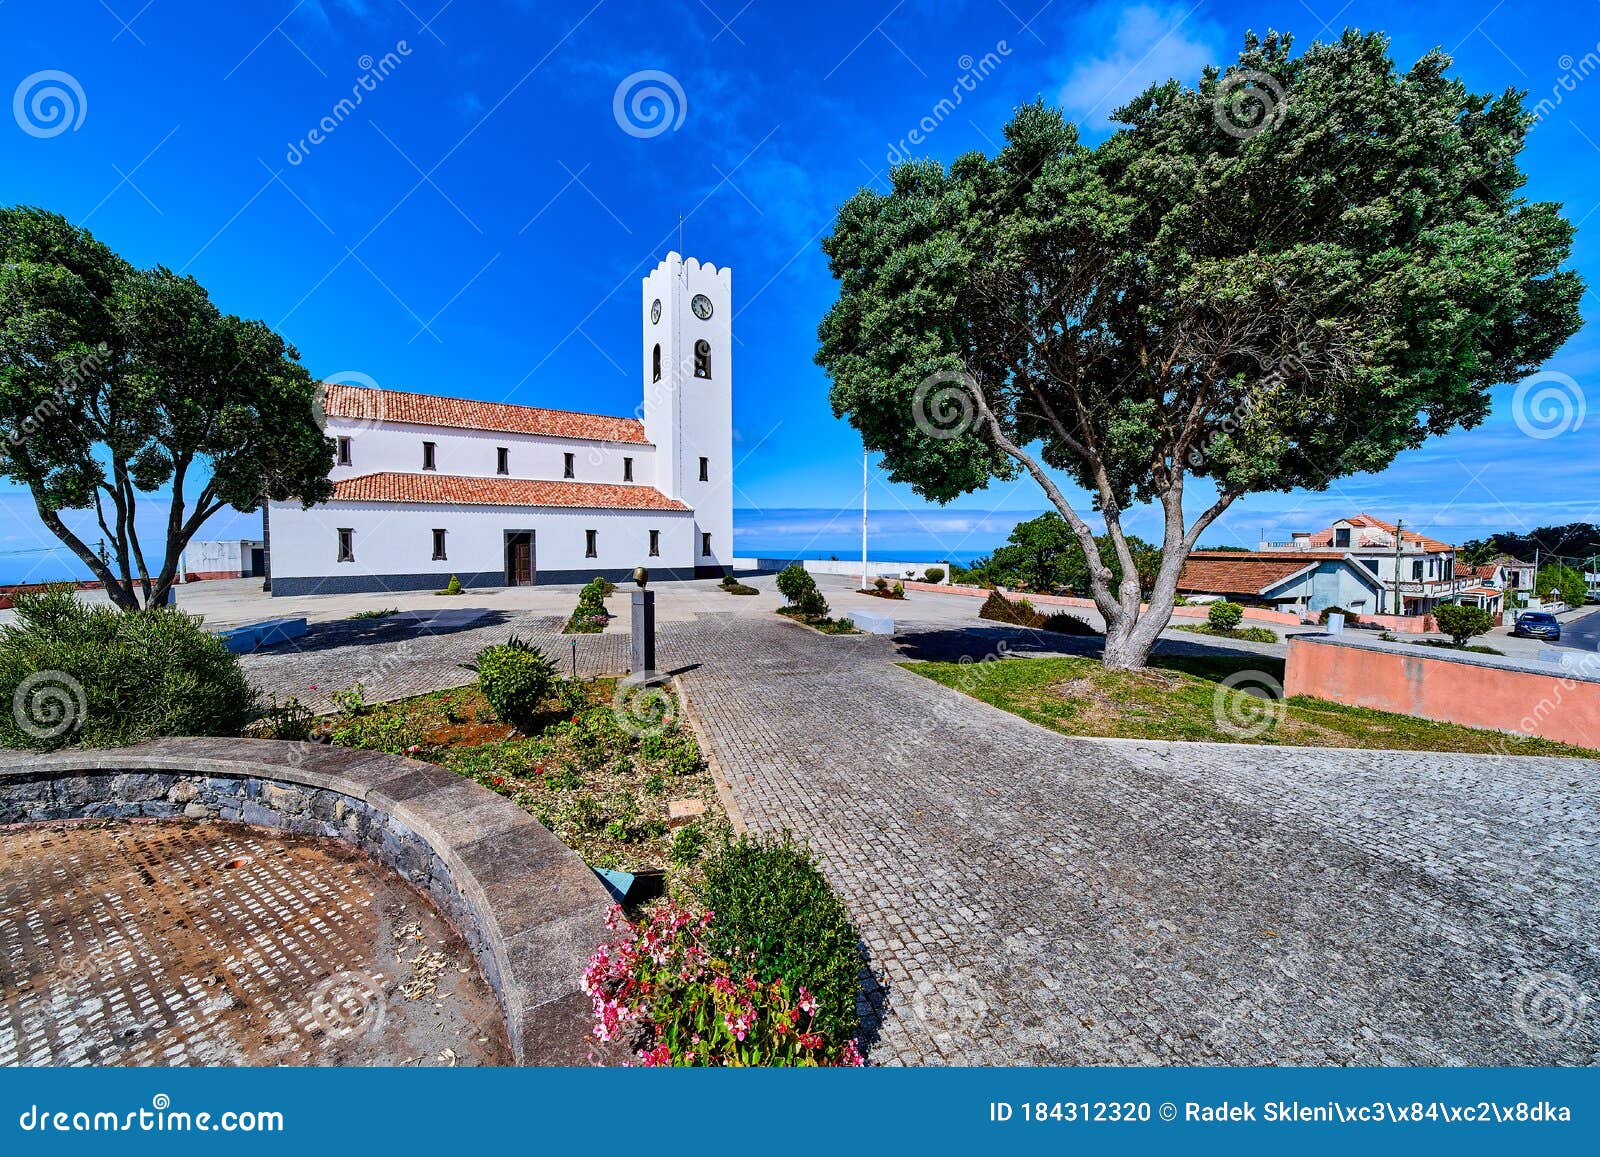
(1417,572)
(426,486)
(1297,582)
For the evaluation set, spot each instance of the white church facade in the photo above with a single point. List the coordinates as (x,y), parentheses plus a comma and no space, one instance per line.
(426,486)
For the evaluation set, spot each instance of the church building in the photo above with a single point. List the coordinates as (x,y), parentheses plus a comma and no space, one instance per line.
(427,486)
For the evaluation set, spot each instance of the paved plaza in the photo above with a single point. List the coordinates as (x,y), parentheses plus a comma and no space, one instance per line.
(1027,897)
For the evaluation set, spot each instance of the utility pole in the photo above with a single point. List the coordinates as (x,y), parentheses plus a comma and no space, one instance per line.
(1399,537)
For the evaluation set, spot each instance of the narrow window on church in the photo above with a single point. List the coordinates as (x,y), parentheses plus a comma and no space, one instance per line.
(702,358)
(705,542)
(568,470)
(502,460)
(344,451)
(438,545)
(627,469)
(428,455)
(705,470)
(655,364)
(347,545)
(589,550)
(655,543)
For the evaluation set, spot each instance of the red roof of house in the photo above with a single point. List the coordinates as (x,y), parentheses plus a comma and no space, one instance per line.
(455,489)
(370,405)
(1482,591)
(1325,537)
(1231,572)
(1482,572)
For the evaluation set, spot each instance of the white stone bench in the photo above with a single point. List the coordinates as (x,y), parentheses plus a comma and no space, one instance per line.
(873,622)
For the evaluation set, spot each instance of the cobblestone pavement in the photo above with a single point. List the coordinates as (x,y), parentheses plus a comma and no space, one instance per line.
(1027,898)
(398,656)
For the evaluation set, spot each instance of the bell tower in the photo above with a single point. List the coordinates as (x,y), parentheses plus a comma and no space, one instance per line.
(687,360)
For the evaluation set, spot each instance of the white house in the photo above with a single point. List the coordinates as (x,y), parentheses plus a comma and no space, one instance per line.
(426,487)
(1423,568)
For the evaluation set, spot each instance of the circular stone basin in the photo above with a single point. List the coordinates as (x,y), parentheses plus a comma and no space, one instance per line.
(215,943)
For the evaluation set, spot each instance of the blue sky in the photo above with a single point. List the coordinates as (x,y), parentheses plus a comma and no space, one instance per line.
(478,225)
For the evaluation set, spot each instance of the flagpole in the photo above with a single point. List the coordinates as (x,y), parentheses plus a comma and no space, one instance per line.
(863,515)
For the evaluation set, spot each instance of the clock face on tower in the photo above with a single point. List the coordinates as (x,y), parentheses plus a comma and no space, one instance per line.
(655,311)
(701,304)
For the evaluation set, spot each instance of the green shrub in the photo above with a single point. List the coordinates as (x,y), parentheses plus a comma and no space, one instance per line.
(1461,622)
(1225,616)
(1018,613)
(899,591)
(291,720)
(98,677)
(811,604)
(881,583)
(453,587)
(1349,616)
(934,574)
(776,915)
(1064,624)
(516,681)
(687,844)
(377,613)
(793,582)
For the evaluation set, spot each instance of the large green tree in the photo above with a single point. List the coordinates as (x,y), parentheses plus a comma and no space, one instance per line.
(1288,272)
(119,384)
(1043,554)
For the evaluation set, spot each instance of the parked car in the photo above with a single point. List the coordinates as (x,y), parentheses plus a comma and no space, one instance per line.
(1537,625)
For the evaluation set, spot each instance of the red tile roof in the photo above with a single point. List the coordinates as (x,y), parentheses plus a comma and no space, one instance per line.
(1325,537)
(342,401)
(1233,572)
(455,489)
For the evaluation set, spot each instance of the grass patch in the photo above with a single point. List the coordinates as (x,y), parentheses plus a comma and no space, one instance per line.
(1247,634)
(1176,698)
(602,790)
(1445,644)
(379,613)
(820,623)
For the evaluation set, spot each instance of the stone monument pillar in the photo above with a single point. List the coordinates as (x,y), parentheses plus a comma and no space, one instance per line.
(642,639)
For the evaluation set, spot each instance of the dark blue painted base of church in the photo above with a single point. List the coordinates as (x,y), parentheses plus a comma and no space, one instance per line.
(355,584)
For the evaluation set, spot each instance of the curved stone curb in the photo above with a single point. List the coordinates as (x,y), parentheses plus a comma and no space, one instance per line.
(530,908)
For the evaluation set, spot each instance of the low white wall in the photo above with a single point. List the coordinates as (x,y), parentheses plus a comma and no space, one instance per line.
(887,569)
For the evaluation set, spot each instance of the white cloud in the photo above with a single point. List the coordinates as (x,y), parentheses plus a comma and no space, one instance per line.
(1138,45)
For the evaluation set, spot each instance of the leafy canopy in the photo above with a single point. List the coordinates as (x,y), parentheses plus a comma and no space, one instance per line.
(117,382)
(1268,306)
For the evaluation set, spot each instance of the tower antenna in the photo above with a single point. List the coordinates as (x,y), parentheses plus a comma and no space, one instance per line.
(680,234)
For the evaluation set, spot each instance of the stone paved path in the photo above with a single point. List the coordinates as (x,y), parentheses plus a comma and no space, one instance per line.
(1030,898)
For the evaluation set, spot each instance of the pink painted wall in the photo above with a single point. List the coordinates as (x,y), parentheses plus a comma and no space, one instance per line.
(1550,706)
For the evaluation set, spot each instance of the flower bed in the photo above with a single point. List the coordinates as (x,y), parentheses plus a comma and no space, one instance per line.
(657,985)
(584,764)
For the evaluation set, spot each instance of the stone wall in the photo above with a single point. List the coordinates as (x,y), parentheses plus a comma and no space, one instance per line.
(528,906)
